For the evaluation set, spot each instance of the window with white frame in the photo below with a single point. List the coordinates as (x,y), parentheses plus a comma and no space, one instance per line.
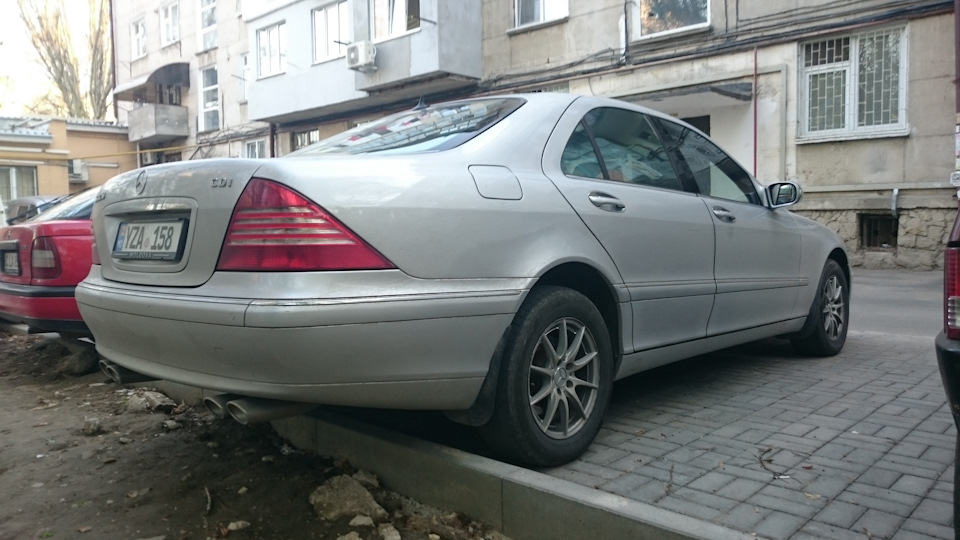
(209,100)
(538,11)
(208,24)
(854,86)
(138,38)
(331,27)
(256,149)
(272,50)
(667,16)
(17,182)
(169,24)
(391,17)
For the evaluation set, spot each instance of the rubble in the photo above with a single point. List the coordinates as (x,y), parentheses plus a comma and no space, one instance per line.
(342,496)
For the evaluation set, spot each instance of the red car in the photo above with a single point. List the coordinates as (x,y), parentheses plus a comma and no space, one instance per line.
(43,259)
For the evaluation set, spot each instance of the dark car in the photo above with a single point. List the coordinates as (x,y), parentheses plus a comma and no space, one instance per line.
(948,345)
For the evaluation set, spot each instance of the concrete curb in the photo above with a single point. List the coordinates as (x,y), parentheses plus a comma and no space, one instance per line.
(521,503)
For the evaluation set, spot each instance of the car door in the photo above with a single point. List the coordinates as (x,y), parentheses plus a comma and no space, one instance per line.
(757,266)
(611,167)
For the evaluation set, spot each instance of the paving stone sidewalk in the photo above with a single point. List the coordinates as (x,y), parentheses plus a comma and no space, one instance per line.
(764,441)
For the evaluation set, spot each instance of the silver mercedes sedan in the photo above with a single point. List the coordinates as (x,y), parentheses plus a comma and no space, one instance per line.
(503,259)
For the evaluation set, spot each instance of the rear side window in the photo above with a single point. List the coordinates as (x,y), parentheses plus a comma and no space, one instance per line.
(77,206)
(716,173)
(433,128)
(617,144)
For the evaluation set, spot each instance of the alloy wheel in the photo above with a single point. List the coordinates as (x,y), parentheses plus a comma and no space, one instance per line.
(564,378)
(833,308)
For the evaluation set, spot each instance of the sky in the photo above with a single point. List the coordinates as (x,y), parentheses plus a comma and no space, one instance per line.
(22,77)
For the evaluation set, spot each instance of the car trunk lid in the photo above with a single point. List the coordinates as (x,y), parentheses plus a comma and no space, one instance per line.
(15,250)
(165,225)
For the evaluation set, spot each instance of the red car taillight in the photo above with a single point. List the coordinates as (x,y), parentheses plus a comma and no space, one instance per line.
(44,261)
(274,228)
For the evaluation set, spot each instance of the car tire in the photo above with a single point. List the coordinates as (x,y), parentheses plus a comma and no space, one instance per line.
(555,380)
(825,331)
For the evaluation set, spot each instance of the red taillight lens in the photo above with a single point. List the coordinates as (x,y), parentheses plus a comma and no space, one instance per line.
(44,261)
(951,292)
(275,228)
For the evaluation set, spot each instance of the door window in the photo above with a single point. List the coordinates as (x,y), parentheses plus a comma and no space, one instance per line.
(621,145)
(716,173)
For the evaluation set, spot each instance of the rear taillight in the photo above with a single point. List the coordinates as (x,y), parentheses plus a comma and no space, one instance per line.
(951,292)
(44,262)
(275,228)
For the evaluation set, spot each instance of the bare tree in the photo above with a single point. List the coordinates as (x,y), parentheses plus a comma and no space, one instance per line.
(99,41)
(50,35)
(49,104)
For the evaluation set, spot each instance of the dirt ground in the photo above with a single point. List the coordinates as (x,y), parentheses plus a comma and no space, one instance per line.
(78,461)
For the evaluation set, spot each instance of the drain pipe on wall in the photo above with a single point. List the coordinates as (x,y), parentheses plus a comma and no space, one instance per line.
(756,101)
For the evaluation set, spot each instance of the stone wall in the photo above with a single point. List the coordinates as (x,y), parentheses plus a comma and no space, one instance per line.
(921,236)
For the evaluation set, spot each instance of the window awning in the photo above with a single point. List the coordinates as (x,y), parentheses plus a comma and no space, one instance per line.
(177,74)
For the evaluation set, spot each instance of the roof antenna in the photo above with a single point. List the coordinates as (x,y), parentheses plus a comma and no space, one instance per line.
(421,105)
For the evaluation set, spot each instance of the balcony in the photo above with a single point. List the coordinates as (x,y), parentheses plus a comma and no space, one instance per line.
(441,55)
(155,123)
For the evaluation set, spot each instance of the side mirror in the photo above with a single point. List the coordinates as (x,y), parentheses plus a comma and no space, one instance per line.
(783,194)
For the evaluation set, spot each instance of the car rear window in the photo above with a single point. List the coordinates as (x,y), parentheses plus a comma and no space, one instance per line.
(427,129)
(77,206)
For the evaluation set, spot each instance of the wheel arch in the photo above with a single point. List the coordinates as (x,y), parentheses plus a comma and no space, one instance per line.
(841,257)
(579,276)
(589,282)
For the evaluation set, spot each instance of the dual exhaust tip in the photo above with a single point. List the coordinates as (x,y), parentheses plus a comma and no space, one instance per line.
(250,410)
(246,410)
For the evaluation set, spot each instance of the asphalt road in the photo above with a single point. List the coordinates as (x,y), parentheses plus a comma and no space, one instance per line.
(897,302)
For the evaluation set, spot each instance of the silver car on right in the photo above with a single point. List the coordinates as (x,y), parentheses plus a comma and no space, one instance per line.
(503,259)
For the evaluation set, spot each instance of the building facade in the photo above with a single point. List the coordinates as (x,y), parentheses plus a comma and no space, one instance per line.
(44,156)
(182,77)
(849,99)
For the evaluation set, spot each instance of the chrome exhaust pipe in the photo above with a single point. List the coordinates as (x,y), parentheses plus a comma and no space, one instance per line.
(122,375)
(217,405)
(255,410)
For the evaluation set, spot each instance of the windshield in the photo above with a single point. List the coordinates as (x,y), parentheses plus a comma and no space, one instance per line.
(76,206)
(433,128)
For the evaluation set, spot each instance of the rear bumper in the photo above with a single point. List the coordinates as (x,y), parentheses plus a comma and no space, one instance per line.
(42,309)
(412,351)
(948,356)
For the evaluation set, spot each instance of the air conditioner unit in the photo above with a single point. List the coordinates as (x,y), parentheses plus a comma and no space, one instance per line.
(361,56)
(148,158)
(77,172)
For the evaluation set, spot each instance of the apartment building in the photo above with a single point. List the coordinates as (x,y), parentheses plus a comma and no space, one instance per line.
(852,99)
(326,66)
(182,75)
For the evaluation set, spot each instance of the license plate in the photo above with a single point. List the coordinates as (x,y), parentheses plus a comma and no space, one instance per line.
(149,240)
(11,263)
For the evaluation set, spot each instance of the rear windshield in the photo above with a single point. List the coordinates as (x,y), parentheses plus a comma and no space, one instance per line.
(76,206)
(433,128)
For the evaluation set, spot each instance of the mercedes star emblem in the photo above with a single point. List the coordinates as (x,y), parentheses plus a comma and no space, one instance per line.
(141,182)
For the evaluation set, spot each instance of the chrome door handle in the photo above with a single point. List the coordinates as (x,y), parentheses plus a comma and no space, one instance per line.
(723,214)
(606,202)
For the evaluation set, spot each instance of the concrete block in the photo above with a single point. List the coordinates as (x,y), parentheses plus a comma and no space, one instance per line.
(840,514)
(744,517)
(880,524)
(779,526)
